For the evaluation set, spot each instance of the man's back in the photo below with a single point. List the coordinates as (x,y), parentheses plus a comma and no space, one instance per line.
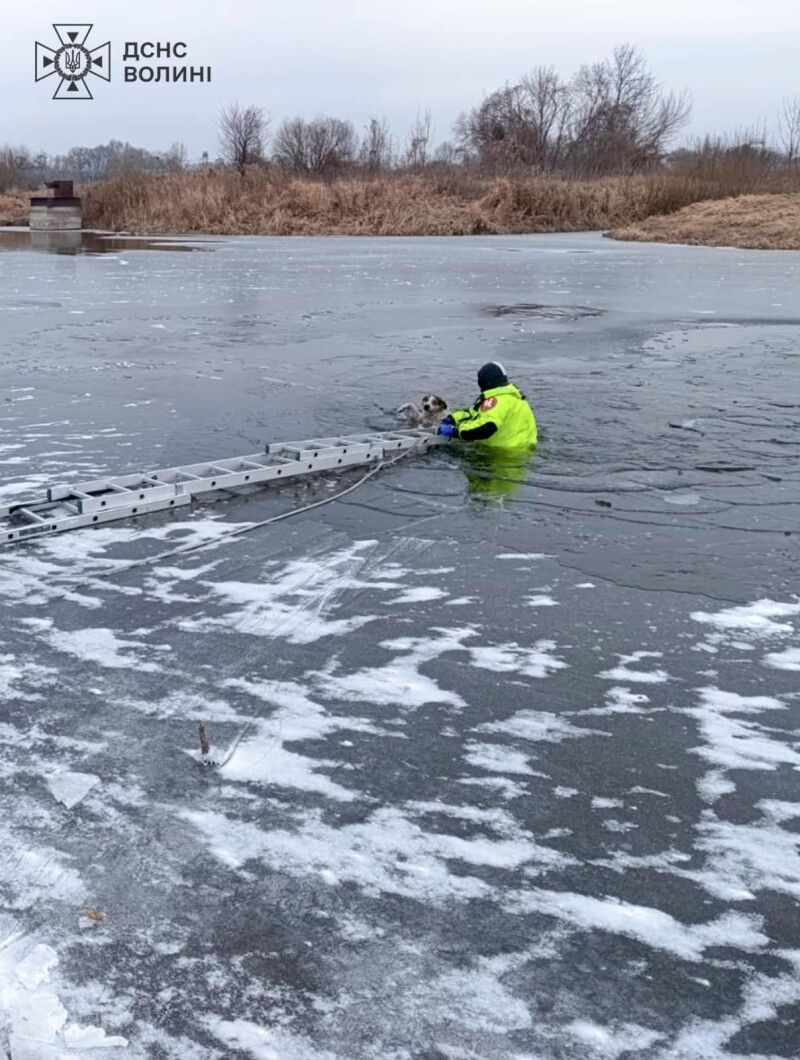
(501,418)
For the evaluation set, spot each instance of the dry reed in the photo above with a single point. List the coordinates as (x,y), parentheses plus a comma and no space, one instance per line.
(265,201)
(13,209)
(759,222)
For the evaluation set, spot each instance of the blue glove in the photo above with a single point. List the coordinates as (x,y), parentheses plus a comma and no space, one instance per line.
(449,430)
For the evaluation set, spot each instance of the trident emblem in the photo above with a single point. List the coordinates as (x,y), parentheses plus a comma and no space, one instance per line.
(72,60)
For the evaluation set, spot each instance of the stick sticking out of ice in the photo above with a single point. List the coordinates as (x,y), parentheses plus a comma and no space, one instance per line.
(205,740)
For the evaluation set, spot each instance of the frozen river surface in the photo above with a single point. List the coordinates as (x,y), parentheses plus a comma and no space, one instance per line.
(500,770)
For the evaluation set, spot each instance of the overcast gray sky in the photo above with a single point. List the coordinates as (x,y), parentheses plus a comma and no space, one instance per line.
(738,58)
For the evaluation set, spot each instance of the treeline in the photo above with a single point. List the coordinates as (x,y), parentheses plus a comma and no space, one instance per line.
(611,118)
(21,168)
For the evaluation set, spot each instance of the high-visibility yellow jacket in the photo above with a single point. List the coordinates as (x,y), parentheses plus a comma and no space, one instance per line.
(501,418)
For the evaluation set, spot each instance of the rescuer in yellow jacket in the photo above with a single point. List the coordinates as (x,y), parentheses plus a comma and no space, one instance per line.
(501,419)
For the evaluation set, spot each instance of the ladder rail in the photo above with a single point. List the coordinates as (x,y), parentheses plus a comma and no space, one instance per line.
(71,506)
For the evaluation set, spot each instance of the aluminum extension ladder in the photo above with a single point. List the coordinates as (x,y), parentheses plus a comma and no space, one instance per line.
(121,497)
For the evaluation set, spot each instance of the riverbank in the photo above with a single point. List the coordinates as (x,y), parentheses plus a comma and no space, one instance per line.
(267,202)
(757,222)
(665,207)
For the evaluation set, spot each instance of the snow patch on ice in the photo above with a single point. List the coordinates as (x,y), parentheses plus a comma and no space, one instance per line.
(20,678)
(650,926)
(742,859)
(80,1038)
(399,682)
(475,1000)
(537,661)
(26,578)
(540,600)
(496,758)
(762,997)
(264,1043)
(506,788)
(101,646)
(263,758)
(760,619)
(600,802)
(713,785)
(418,595)
(538,726)
(624,672)
(784,660)
(387,853)
(294,600)
(739,860)
(619,701)
(611,1043)
(732,742)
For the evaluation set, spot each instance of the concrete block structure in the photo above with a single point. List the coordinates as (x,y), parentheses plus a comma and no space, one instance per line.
(59,212)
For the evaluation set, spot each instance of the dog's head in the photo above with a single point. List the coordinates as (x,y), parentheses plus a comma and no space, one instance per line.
(433,405)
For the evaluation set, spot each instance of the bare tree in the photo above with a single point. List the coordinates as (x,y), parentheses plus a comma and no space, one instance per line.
(546,106)
(612,116)
(242,132)
(376,151)
(622,119)
(419,140)
(318,147)
(15,167)
(519,125)
(789,127)
(289,148)
(332,144)
(447,154)
(176,158)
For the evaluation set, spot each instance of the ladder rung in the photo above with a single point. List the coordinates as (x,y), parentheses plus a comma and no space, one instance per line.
(122,496)
(32,517)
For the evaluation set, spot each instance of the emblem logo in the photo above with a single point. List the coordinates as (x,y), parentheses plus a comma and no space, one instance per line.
(72,61)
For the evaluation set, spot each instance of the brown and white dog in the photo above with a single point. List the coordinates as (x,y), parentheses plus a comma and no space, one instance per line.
(429,413)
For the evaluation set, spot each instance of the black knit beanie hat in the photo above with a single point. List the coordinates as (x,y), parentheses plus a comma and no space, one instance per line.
(491,375)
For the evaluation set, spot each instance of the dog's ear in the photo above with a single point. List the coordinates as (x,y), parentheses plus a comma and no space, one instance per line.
(440,403)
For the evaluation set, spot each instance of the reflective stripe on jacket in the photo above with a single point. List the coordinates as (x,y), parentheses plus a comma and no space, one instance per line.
(509,411)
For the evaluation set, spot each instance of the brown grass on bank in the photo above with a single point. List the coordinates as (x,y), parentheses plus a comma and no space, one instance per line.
(447,202)
(759,222)
(13,209)
(266,202)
